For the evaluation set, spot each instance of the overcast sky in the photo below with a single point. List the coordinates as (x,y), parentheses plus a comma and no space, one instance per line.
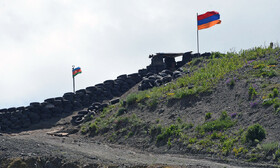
(40,40)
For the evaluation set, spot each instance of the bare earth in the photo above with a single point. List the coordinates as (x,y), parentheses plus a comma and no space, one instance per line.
(45,143)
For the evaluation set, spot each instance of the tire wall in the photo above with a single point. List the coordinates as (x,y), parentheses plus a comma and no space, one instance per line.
(17,118)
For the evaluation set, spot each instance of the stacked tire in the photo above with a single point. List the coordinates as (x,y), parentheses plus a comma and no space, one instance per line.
(154,80)
(91,97)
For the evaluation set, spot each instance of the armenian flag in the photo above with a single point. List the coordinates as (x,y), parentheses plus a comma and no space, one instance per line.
(208,19)
(76,71)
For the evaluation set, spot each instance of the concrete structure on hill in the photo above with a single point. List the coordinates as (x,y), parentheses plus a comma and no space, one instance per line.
(161,61)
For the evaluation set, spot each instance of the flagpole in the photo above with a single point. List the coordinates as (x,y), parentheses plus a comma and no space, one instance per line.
(197,34)
(73,66)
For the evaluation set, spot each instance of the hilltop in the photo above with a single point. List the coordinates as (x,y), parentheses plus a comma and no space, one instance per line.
(223,108)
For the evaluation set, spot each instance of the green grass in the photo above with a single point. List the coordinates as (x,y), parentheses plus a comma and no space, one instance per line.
(204,78)
(272,100)
(208,116)
(216,136)
(131,99)
(205,142)
(252,93)
(228,145)
(269,148)
(223,123)
(137,97)
(275,92)
(272,61)
(121,111)
(172,130)
(266,68)
(277,155)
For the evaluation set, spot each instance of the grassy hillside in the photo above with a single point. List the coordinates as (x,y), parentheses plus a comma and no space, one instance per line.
(225,107)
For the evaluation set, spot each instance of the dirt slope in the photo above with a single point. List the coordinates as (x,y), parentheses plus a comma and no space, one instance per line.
(168,132)
(84,152)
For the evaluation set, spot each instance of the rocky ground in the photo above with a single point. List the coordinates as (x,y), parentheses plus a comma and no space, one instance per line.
(49,147)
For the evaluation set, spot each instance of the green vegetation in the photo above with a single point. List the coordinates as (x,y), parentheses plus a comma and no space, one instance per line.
(270,148)
(272,61)
(131,99)
(222,123)
(179,120)
(203,79)
(172,130)
(121,111)
(136,97)
(265,68)
(237,151)
(230,82)
(84,129)
(169,142)
(192,140)
(254,157)
(165,134)
(272,99)
(227,145)
(255,132)
(108,120)
(93,127)
(17,163)
(252,93)
(277,155)
(268,102)
(275,92)
(155,130)
(208,116)
(214,135)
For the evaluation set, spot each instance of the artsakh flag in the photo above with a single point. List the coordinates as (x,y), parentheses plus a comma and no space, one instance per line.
(208,19)
(76,71)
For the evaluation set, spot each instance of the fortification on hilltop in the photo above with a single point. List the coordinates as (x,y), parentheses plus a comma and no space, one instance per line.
(163,69)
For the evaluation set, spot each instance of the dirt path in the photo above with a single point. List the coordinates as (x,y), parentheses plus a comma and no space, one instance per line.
(39,143)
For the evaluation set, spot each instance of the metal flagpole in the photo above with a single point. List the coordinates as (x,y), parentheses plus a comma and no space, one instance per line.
(197,34)
(73,66)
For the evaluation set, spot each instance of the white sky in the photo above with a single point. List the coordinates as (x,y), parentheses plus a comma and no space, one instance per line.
(40,40)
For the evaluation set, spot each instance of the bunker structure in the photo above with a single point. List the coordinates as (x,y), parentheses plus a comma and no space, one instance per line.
(162,61)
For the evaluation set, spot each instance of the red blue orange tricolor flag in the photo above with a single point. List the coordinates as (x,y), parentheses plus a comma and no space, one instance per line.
(208,19)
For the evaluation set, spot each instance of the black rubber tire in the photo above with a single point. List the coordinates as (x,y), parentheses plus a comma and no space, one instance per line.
(104,105)
(163,74)
(3,110)
(50,100)
(167,79)
(76,120)
(158,82)
(124,76)
(69,96)
(35,104)
(12,109)
(91,88)
(83,112)
(167,72)
(114,101)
